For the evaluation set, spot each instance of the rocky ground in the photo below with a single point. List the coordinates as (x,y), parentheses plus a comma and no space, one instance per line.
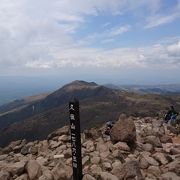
(139,148)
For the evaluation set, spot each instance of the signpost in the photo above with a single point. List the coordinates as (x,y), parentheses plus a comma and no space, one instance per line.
(75,139)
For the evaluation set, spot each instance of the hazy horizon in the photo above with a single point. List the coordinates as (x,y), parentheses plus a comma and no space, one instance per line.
(17,87)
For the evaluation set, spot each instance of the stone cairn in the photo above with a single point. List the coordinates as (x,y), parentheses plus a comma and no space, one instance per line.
(137,149)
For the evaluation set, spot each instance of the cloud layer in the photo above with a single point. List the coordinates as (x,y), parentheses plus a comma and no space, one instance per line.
(40,34)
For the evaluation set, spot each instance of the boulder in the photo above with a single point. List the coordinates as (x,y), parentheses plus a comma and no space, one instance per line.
(92,134)
(124,130)
(4,175)
(143,163)
(43,146)
(64,138)
(95,160)
(95,170)
(174,166)
(22,177)
(3,157)
(170,176)
(107,166)
(107,176)
(88,177)
(122,146)
(16,168)
(33,150)
(160,157)
(147,147)
(166,139)
(117,165)
(150,160)
(172,129)
(46,175)
(61,171)
(54,144)
(33,169)
(154,140)
(25,150)
(85,160)
(175,150)
(130,170)
(61,131)
(154,170)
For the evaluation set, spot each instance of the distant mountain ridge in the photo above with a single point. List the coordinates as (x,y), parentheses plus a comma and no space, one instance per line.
(53,104)
(98,104)
(157,89)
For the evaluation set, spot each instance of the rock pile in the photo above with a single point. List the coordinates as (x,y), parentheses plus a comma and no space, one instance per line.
(155,156)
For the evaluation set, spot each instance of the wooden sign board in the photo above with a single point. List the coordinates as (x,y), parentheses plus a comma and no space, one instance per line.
(74,117)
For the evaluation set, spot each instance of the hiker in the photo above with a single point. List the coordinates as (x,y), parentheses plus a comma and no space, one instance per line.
(109,126)
(171,115)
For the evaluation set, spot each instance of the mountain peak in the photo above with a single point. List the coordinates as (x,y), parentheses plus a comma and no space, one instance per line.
(76,85)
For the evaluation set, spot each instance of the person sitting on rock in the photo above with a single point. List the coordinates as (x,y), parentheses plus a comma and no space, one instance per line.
(109,126)
(171,116)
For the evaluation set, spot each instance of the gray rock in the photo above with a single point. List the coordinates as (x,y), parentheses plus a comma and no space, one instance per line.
(88,177)
(160,157)
(143,163)
(148,147)
(172,129)
(85,160)
(151,160)
(64,138)
(3,157)
(170,176)
(155,170)
(107,166)
(46,175)
(33,169)
(121,146)
(25,150)
(166,139)
(174,166)
(61,172)
(107,176)
(4,175)
(95,160)
(154,140)
(95,169)
(175,151)
(33,150)
(130,170)
(22,177)
(92,134)
(54,144)
(124,130)
(61,131)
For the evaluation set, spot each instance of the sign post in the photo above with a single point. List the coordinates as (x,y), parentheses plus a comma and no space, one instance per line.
(75,139)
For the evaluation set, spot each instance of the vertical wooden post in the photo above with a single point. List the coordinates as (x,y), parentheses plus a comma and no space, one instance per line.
(74,117)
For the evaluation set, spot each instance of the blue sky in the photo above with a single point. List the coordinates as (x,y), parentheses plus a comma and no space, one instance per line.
(122,41)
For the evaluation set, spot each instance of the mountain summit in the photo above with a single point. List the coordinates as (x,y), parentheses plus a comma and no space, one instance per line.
(77,85)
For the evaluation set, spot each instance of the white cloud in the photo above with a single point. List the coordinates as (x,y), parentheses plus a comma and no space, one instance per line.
(38,34)
(119,30)
(106,36)
(161,20)
(158,19)
(174,49)
(156,56)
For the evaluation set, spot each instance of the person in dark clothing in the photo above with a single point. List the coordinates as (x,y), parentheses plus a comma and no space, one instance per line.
(109,126)
(171,115)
